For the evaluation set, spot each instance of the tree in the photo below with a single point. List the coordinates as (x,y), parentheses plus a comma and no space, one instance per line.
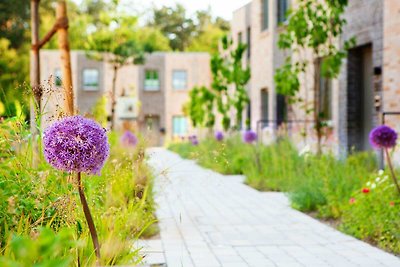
(200,32)
(314,26)
(175,25)
(117,41)
(227,91)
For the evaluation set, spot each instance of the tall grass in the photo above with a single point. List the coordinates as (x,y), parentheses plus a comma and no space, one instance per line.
(40,211)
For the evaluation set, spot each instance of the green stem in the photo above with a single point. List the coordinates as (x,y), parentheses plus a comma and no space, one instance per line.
(89,219)
(392,170)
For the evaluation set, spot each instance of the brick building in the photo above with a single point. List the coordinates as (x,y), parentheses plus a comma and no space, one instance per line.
(157,90)
(367,86)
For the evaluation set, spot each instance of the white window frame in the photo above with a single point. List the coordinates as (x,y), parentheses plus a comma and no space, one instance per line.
(57,77)
(151,87)
(89,87)
(184,130)
(179,87)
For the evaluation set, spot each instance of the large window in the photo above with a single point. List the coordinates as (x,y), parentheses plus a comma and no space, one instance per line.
(179,125)
(179,79)
(248,36)
(57,77)
(151,81)
(90,79)
(264,14)
(283,6)
(264,104)
(325,98)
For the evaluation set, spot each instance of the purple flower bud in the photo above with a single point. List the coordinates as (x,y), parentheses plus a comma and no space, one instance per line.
(383,137)
(249,136)
(195,142)
(129,139)
(76,144)
(219,135)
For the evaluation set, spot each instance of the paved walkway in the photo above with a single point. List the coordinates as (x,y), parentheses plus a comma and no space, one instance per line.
(207,219)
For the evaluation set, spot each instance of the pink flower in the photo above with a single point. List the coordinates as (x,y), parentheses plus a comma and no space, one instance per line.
(352,200)
(391,203)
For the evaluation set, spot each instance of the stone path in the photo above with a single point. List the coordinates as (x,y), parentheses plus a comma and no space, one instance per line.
(207,219)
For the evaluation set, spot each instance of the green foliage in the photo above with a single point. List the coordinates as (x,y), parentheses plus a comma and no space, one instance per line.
(200,107)
(227,72)
(374,216)
(200,32)
(116,40)
(313,26)
(99,111)
(35,197)
(46,249)
(324,185)
(13,72)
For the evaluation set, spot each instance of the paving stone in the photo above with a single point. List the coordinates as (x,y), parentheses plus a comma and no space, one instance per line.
(208,219)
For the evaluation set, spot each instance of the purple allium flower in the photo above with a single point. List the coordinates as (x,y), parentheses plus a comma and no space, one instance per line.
(219,135)
(76,144)
(129,139)
(249,136)
(383,137)
(195,142)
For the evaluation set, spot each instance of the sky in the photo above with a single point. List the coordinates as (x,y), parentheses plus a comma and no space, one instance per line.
(221,8)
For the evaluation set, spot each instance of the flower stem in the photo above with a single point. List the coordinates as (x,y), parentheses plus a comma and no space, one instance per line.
(89,219)
(392,170)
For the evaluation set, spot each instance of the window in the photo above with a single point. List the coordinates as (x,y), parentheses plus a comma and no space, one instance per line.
(248,116)
(179,79)
(248,36)
(240,38)
(57,77)
(282,9)
(264,15)
(325,98)
(151,81)
(90,79)
(179,125)
(264,104)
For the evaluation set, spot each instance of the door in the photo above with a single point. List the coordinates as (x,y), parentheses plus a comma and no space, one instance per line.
(359,98)
(152,130)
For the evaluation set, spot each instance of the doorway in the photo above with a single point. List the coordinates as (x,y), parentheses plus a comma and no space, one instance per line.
(359,98)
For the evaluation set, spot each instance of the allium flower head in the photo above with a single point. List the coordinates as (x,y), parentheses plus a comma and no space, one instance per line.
(249,136)
(129,139)
(219,135)
(76,144)
(195,142)
(383,137)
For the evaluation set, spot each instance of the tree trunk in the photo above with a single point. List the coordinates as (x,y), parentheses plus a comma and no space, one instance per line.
(113,97)
(317,89)
(63,44)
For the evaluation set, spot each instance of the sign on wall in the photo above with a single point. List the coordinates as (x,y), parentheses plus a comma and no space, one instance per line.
(127,107)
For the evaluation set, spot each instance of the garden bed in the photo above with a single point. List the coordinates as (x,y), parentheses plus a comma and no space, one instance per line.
(41,219)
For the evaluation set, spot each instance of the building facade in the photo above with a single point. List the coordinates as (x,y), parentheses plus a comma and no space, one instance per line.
(149,95)
(367,86)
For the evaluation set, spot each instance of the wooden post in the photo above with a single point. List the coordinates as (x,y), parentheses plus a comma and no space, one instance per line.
(63,44)
(35,65)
